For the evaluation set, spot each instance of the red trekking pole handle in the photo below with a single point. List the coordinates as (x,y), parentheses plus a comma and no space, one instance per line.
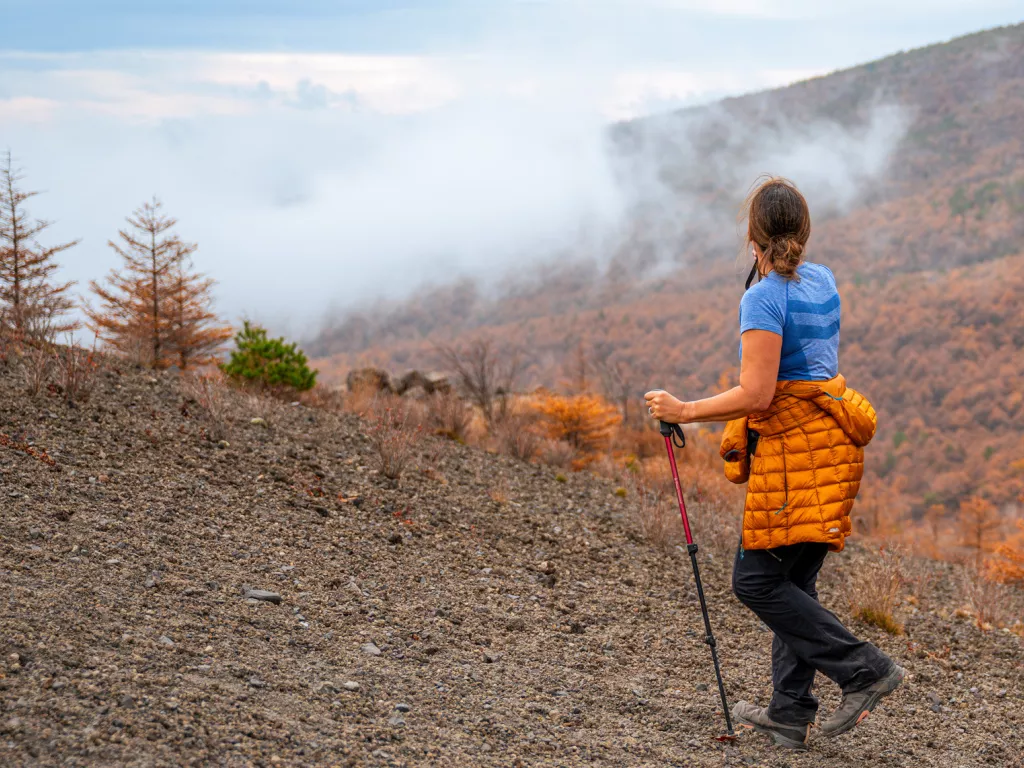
(673,433)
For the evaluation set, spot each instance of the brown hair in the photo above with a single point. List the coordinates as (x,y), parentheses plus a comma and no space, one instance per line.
(779,223)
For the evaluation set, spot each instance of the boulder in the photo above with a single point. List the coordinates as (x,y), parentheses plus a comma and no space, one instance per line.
(372,379)
(412,380)
(438,382)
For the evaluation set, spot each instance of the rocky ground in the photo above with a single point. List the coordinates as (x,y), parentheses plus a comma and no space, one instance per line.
(483,614)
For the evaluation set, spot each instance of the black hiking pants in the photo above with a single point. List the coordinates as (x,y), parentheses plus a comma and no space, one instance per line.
(779,586)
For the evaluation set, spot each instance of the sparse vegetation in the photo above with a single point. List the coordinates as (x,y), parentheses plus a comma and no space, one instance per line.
(874,591)
(394,435)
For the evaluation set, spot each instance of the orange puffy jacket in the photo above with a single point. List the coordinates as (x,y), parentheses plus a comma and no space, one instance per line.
(807,466)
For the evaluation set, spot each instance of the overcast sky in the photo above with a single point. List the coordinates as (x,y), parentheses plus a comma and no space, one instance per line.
(327,152)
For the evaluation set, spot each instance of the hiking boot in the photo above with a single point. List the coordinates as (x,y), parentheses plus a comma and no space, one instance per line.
(789,736)
(855,707)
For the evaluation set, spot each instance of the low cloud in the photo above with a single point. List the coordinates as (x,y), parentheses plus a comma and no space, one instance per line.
(315,180)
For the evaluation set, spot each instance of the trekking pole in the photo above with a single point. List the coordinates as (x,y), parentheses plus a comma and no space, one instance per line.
(671,432)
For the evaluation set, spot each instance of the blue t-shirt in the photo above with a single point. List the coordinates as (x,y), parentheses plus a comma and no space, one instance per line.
(805,314)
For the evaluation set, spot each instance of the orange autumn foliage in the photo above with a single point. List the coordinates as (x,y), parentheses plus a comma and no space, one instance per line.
(979,522)
(586,422)
(1007,565)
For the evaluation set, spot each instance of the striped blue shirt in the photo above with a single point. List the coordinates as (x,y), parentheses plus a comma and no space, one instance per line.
(805,314)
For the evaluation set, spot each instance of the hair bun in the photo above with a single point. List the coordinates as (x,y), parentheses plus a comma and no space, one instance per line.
(785,252)
(779,222)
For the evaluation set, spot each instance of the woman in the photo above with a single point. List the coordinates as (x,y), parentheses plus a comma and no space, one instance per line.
(795,436)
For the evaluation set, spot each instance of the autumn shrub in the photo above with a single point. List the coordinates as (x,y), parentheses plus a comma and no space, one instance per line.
(448,415)
(874,591)
(515,434)
(207,394)
(987,600)
(36,364)
(585,422)
(394,435)
(979,525)
(271,364)
(76,372)
(322,397)
(1007,564)
(557,453)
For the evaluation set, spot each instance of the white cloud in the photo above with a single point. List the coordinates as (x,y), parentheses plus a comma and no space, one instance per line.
(309,178)
(823,9)
(644,92)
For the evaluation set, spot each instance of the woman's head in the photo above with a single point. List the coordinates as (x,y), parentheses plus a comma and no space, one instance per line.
(778,224)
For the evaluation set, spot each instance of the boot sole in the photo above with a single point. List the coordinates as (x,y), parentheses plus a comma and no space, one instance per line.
(894,680)
(779,739)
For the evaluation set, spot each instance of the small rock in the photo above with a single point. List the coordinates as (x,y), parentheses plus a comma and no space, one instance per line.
(397,720)
(322,511)
(403,707)
(516,625)
(263,596)
(354,588)
(12,725)
(165,640)
(258,422)
(58,684)
(370,648)
(351,685)
(255,682)
(113,561)
(702,686)
(35,533)
(395,538)
(152,580)
(325,686)
(491,658)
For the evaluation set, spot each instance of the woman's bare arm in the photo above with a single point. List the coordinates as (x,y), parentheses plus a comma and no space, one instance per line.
(759,372)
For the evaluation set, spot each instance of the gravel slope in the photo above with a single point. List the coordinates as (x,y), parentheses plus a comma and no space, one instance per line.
(536,632)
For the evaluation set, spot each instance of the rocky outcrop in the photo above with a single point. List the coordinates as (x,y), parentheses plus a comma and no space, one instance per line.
(411,384)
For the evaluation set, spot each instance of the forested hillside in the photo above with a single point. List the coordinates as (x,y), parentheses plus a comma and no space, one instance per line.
(925,243)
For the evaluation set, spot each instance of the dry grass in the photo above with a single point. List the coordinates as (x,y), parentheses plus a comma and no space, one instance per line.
(514,435)
(209,393)
(499,492)
(323,397)
(76,372)
(362,399)
(874,592)
(655,515)
(557,453)
(35,369)
(448,415)
(395,435)
(987,600)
